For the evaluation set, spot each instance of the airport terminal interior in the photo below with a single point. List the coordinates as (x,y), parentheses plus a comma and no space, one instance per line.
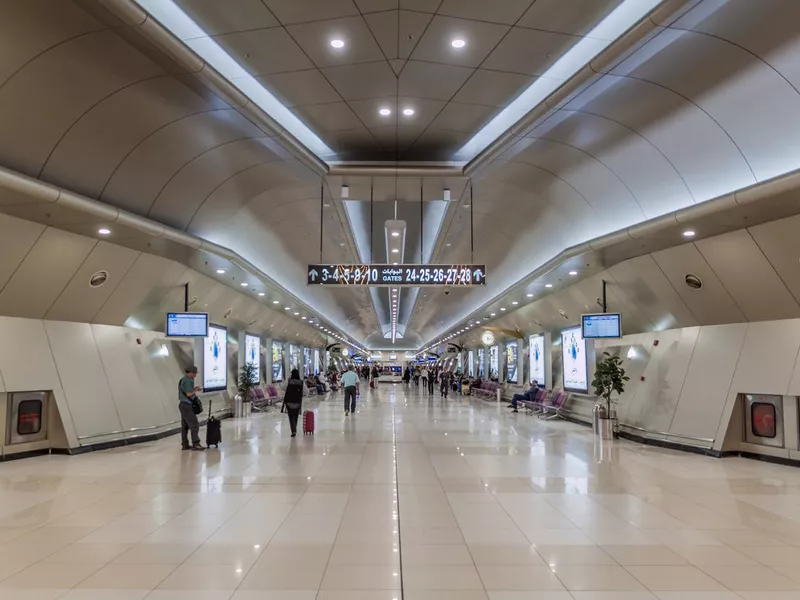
(529,269)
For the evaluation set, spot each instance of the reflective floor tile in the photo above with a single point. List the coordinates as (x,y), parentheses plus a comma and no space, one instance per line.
(119,576)
(497,577)
(644,555)
(675,579)
(49,576)
(441,577)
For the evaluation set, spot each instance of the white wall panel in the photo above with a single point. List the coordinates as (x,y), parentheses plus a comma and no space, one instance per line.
(80,301)
(708,379)
(17,237)
(768,357)
(81,371)
(748,276)
(135,388)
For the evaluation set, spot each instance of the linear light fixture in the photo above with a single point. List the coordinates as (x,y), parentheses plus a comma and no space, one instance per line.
(184,28)
(627,14)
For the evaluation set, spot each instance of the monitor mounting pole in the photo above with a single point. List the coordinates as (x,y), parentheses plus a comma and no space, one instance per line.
(371,222)
(604,296)
(321,215)
(471,225)
(185,297)
(421,222)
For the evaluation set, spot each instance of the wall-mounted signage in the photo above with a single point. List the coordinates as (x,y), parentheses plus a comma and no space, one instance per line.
(391,275)
(215,359)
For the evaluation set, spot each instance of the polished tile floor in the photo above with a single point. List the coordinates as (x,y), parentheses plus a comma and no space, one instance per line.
(413,498)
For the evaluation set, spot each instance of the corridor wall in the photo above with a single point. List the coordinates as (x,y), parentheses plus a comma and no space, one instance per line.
(104,379)
(685,382)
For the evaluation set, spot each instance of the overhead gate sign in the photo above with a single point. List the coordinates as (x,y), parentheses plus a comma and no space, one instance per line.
(397,275)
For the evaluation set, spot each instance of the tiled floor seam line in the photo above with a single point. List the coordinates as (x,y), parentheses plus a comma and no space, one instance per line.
(336,537)
(397,494)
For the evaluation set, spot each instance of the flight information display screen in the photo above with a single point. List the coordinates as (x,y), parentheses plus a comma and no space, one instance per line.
(602,325)
(187,325)
(391,275)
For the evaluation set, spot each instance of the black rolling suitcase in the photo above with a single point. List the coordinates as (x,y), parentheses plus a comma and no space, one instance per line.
(213,429)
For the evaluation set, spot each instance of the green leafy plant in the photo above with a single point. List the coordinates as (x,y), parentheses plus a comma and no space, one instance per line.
(609,377)
(247,380)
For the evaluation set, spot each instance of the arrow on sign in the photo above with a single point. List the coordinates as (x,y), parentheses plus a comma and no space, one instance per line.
(478,275)
(313,274)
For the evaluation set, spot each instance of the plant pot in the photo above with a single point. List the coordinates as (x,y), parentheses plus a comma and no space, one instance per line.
(606,428)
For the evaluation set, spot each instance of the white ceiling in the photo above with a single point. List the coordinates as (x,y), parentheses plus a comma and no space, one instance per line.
(705,106)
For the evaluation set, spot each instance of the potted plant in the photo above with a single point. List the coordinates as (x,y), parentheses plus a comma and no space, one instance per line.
(609,377)
(247,381)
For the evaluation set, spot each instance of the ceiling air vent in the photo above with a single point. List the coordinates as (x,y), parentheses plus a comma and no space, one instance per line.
(693,281)
(98,279)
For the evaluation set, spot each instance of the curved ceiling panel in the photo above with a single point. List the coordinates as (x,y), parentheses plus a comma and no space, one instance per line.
(83,160)
(56,88)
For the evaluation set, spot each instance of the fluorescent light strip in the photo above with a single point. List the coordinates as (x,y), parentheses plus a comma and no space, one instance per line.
(598,39)
(182,26)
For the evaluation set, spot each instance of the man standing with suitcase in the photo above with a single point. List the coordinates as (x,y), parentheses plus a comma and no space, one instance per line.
(187,400)
(350,383)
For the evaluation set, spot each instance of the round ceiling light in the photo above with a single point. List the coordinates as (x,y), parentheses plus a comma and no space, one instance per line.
(261,294)
(458,43)
(220,271)
(395,234)
(104,231)
(408,111)
(98,279)
(395,250)
(276,302)
(688,233)
(243,284)
(529,295)
(385,112)
(573,273)
(337,44)
(515,303)
(548,285)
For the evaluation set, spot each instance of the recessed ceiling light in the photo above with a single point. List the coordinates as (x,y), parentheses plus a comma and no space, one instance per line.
(529,295)
(548,285)
(408,111)
(394,263)
(573,273)
(337,43)
(297,313)
(688,233)
(261,294)
(220,271)
(287,308)
(385,112)
(458,43)
(243,284)
(395,250)
(303,318)
(515,303)
(503,308)
(104,231)
(276,301)
(493,315)
(395,234)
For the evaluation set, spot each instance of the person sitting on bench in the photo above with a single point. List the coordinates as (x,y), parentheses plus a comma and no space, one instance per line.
(526,396)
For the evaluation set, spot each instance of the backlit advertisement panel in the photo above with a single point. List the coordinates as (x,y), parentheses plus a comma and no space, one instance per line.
(536,349)
(512,362)
(277,362)
(252,352)
(215,359)
(573,356)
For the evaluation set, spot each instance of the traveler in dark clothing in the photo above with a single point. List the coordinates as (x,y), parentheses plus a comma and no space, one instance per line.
(187,392)
(293,399)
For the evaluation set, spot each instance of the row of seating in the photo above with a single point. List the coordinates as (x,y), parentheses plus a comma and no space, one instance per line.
(547,404)
(263,398)
(486,390)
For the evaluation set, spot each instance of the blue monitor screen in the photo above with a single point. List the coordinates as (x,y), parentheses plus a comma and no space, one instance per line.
(605,325)
(187,325)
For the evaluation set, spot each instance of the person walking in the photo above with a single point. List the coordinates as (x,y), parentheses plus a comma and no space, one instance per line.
(444,383)
(431,381)
(416,376)
(187,396)
(293,399)
(351,387)
(424,376)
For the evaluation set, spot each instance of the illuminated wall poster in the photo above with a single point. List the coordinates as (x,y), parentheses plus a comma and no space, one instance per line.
(215,359)
(471,363)
(536,349)
(494,362)
(307,362)
(574,361)
(277,362)
(252,349)
(512,362)
(482,363)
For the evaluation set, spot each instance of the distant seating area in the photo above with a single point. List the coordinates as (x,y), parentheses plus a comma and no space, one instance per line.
(486,390)
(261,400)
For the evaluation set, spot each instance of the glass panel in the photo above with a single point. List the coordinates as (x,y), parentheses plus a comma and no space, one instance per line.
(29,417)
(763,420)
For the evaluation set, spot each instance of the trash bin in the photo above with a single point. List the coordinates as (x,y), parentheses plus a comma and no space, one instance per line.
(603,425)
(499,394)
(598,412)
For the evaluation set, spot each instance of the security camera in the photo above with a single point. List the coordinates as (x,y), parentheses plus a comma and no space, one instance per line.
(446,291)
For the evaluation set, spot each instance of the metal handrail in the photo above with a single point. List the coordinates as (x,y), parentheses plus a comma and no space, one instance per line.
(135,429)
(649,431)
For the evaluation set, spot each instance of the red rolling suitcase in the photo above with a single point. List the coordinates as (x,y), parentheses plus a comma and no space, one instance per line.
(308,422)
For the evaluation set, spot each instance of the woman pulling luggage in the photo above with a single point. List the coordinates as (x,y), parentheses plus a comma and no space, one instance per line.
(293,399)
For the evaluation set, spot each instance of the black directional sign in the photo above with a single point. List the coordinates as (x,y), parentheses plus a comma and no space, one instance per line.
(397,275)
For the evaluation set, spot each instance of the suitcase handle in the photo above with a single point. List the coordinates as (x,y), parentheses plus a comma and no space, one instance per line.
(209,409)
